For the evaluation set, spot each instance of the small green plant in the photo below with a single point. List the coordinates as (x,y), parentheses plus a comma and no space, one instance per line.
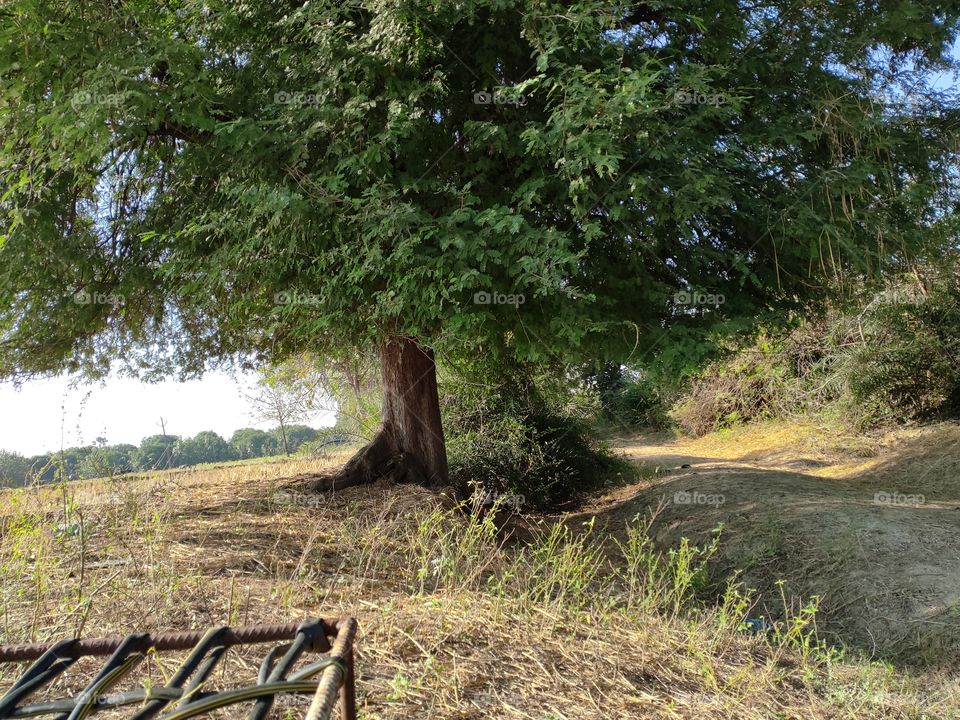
(451,554)
(560,568)
(655,581)
(400,684)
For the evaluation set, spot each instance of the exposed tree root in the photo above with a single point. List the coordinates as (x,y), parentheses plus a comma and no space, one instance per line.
(378,459)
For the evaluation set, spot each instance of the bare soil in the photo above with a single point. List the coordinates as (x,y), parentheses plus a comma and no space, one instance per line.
(870,526)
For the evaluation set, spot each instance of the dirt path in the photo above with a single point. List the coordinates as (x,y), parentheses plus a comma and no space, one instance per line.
(876,535)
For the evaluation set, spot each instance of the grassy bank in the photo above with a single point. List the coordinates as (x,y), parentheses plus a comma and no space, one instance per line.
(457,621)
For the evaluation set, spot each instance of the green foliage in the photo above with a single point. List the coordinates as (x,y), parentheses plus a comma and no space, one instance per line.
(353,384)
(906,364)
(183,185)
(325,440)
(287,393)
(107,460)
(528,437)
(640,404)
(754,383)
(890,355)
(251,443)
(203,448)
(673,582)
(13,469)
(629,399)
(156,452)
(297,435)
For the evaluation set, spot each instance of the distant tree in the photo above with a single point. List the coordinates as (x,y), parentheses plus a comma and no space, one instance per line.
(120,457)
(296,435)
(252,443)
(156,452)
(205,447)
(285,394)
(353,386)
(13,468)
(41,468)
(70,462)
(108,460)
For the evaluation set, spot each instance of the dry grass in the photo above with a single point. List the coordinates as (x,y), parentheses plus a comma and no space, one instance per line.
(807,508)
(819,448)
(455,623)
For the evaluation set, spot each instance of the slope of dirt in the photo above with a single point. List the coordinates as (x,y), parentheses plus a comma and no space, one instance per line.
(870,526)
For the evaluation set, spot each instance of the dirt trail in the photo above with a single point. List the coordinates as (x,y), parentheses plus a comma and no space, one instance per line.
(871,526)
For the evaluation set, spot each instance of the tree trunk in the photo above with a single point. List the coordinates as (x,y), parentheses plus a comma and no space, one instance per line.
(283,436)
(409,445)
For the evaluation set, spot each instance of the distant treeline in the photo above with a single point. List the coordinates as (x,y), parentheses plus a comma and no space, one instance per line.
(158,452)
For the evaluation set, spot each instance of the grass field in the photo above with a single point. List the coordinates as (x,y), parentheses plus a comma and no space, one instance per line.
(458,619)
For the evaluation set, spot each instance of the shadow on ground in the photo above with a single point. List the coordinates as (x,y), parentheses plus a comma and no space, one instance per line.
(879,546)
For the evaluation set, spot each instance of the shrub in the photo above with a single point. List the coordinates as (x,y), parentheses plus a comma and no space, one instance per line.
(899,359)
(529,439)
(889,356)
(628,397)
(754,383)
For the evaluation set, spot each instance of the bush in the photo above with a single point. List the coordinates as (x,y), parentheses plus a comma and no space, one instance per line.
(628,397)
(640,403)
(899,359)
(529,440)
(754,383)
(890,356)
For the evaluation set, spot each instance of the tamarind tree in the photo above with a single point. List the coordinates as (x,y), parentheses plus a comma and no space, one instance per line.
(197,182)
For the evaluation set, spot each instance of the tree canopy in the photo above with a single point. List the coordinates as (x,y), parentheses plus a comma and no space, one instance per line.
(189,182)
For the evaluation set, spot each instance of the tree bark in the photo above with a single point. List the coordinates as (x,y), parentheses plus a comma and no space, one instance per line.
(283,435)
(409,445)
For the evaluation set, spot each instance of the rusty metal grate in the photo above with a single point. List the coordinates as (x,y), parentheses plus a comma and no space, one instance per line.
(184,695)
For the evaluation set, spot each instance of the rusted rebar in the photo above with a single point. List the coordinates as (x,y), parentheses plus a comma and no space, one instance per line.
(247,635)
(277,674)
(339,676)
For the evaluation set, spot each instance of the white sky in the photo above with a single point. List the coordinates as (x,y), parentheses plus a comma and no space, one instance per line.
(34,419)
